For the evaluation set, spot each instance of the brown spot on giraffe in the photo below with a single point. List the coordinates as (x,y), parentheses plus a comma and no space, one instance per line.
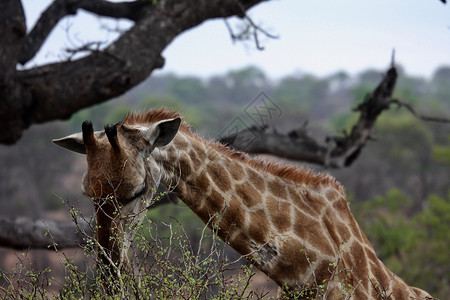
(199,152)
(371,256)
(196,161)
(332,230)
(202,182)
(259,229)
(240,244)
(248,195)
(358,254)
(314,201)
(307,228)
(237,172)
(300,200)
(323,271)
(343,231)
(185,164)
(219,176)
(360,293)
(232,218)
(181,145)
(277,187)
(380,278)
(398,292)
(280,214)
(209,208)
(341,207)
(130,160)
(255,178)
(319,241)
(294,261)
(303,224)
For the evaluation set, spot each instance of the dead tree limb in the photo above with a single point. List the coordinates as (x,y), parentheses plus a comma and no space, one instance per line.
(335,151)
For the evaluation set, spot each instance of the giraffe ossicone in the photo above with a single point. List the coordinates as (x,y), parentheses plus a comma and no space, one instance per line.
(295,225)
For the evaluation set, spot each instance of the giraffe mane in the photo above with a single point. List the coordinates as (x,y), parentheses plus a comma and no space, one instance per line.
(154,115)
(292,173)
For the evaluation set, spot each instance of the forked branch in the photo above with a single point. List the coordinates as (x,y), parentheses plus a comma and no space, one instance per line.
(335,151)
(249,31)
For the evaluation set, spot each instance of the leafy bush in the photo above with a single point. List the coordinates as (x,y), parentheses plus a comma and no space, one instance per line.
(161,267)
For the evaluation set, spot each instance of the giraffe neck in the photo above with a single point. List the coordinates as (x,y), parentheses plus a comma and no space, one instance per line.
(252,209)
(199,175)
(293,231)
(222,191)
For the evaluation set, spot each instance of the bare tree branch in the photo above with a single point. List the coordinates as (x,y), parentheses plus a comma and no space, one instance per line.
(250,31)
(417,115)
(336,151)
(56,91)
(61,8)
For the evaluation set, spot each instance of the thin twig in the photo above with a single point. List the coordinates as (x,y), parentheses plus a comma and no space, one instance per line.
(409,107)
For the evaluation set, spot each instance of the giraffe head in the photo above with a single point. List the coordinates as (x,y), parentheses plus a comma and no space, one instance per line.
(121,173)
(119,158)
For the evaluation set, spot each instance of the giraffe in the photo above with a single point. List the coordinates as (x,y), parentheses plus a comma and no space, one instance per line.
(293,224)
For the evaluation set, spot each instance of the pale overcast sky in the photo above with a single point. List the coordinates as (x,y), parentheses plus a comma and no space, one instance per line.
(319,37)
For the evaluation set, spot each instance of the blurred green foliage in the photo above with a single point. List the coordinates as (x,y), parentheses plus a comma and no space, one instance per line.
(190,89)
(299,93)
(415,245)
(442,153)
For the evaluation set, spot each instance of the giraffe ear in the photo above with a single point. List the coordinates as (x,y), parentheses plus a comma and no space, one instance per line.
(73,142)
(163,132)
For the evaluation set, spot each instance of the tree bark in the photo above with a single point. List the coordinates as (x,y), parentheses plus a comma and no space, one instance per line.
(24,233)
